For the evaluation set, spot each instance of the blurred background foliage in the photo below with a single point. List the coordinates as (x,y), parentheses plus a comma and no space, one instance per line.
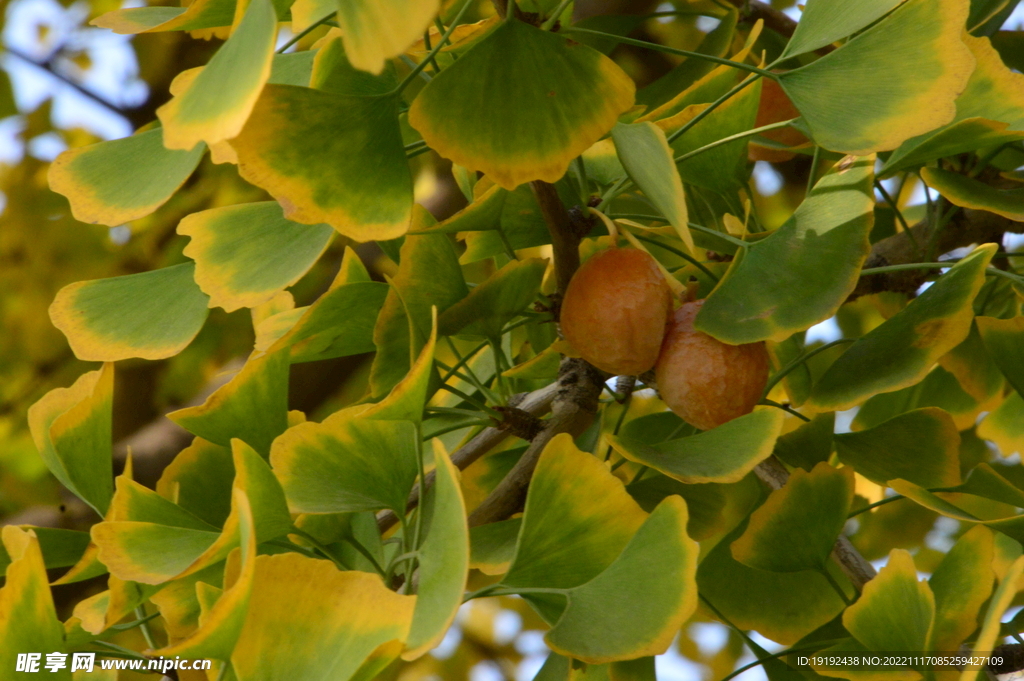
(65,84)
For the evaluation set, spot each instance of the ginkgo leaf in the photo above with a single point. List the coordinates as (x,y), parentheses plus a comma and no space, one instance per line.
(724,454)
(245,254)
(1005,425)
(217,103)
(496,301)
(1003,338)
(521,104)
(803,271)
(71,428)
(151,315)
(926,64)
(252,406)
(330,158)
(967,192)
(118,181)
(444,559)
(823,22)
(376,31)
(647,157)
(28,620)
(962,583)
(901,351)
(201,14)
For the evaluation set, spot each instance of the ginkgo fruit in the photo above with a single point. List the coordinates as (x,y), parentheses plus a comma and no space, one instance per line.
(704,381)
(615,310)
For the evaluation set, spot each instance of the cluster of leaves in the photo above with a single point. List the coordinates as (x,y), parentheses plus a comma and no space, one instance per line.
(265,544)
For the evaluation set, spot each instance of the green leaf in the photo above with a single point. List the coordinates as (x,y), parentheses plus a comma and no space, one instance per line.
(71,428)
(332,72)
(1005,425)
(329,158)
(895,610)
(849,109)
(1004,339)
(199,479)
(496,301)
(966,192)
(796,528)
(962,583)
(61,548)
(252,406)
(724,454)
(151,315)
(377,31)
(483,214)
(636,606)
(647,157)
(429,275)
(245,254)
(988,113)
(324,623)
(784,607)
(804,271)
(716,44)
(823,22)
(562,543)
(901,351)
(408,398)
(217,103)
(444,560)
(808,445)
(118,181)
(199,15)
(521,104)
(493,546)
(723,167)
(346,463)
(28,620)
(922,446)
(991,625)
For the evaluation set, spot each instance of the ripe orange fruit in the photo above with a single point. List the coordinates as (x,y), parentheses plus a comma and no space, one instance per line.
(704,381)
(615,309)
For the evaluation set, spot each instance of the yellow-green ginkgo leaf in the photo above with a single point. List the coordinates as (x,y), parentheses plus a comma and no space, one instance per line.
(803,271)
(117,181)
(823,22)
(849,108)
(1004,339)
(724,454)
(495,301)
(991,624)
(330,158)
(967,192)
(201,14)
(636,606)
(28,620)
(217,103)
(988,113)
(245,254)
(178,602)
(220,626)
(922,446)
(563,544)
(199,479)
(962,583)
(902,350)
(521,104)
(444,559)
(408,398)
(1005,425)
(796,528)
(151,315)
(346,463)
(647,157)
(252,406)
(308,620)
(377,31)
(71,429)
(493,546)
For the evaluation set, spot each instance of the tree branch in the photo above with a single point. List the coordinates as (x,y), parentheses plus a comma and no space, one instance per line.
(536,403)
(565,243)
(854,565)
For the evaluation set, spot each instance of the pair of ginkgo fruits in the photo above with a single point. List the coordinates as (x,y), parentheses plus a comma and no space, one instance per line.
(618,315)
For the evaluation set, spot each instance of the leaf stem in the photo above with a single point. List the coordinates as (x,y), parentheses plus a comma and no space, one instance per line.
(732,138)
(785,408)
(306,31)
(684,256)
(147,633)
(883,502)
(800,360)
(433,53)
(813,171)
(835,585)
(711,107)
(472,400)
(672,50)
(553,19)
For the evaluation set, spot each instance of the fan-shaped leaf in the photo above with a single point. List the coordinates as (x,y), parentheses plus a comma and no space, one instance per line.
(376,31)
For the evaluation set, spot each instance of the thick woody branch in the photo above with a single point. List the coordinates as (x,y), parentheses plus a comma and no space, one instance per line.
(536,403)
(565,243)
(573,410)
(855,566)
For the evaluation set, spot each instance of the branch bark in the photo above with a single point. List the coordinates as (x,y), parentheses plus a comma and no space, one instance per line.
(565,243)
